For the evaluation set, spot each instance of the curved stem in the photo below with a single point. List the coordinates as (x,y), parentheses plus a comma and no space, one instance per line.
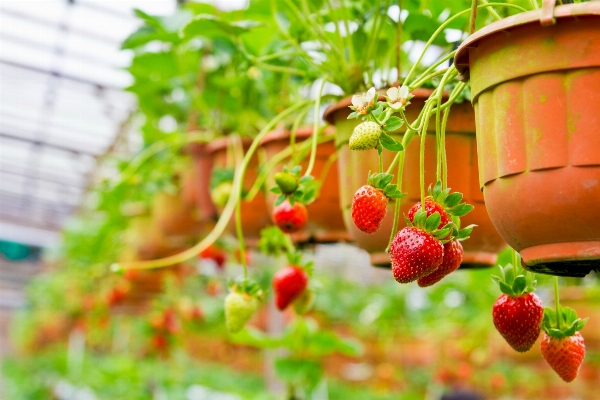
(423,77)
(315,134)
(473,18)
(444,25)
(240,235)
(295,126)
(444,159)
(422,156)
(227,211)
(398,201)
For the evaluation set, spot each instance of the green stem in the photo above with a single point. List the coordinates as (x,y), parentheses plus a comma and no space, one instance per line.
(534,4)
(444,25)
(315,134)
(297,122)
(421,81)
(423,77)
(444,159)
(240,235)
(399,174)
(399,42)
(276,55)
(514,257)
(380,160)
(557,304)
(473,18)
(422,156)
(492,11)
(227,211)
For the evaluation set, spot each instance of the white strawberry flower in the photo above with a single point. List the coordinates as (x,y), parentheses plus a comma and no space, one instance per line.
(362,101)
(397,97)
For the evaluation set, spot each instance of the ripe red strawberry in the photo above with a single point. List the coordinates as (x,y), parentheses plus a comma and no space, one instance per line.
(288,284)
(565,355)
(369,204)
(431,207)
(288,218)
(518,312)
(562,345)
(453,253)
(415,253)
(448,205)
(214,253)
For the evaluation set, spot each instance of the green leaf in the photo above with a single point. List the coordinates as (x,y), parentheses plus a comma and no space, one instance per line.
(280,199)
(420,218)
(390,143)
(453,199)
(519,285)
(377,112)
(296,169)
(276,190)
(461,210)
(433,221)
(505,288)
(390,189)
(299,372)
(385,180)
(354,115)
(210,26)
(393,124)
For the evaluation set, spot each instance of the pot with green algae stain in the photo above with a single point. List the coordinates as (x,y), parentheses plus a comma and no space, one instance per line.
(536,94)
(485,243)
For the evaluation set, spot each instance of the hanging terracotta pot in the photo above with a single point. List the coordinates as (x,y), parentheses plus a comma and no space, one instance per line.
(325,221)
(255,215)
(482,248)
(196,181)
(174,216)
(536,95)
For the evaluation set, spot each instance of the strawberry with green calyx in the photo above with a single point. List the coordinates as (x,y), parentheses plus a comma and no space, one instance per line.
(240,304)
(417,250)
(518,312)
(290,186)
(562,345)
(448,205)
(369,204)
(291,281)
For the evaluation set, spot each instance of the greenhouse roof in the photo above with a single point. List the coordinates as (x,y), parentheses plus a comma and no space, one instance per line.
(62,104)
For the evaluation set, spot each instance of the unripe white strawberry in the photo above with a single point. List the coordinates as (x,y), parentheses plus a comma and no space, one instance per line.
(239,307)
(365,136)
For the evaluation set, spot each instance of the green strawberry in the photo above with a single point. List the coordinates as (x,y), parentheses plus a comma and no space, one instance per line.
(239,307)
(365,136)
(305,302)
(220,194)
(287,182)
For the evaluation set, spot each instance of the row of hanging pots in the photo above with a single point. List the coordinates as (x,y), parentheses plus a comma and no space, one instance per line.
(482,248)
(535,85)
(325,223)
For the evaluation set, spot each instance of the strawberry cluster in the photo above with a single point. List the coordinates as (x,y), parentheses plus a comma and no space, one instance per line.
(429,248)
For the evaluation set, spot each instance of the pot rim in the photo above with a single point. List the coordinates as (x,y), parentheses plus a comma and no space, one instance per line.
(302,133)
(222,142)
(461,59)
(347,101)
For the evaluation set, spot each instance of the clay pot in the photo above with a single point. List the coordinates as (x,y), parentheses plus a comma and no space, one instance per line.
(175,216)
(482,248)
(537,108)
(255,215)
(325,221)
(196,181)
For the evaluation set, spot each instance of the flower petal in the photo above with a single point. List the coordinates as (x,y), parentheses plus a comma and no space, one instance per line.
(358,100)
(403,92)
(392,93)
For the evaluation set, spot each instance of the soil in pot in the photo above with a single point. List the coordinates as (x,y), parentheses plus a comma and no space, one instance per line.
(482,248)
(325,220)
